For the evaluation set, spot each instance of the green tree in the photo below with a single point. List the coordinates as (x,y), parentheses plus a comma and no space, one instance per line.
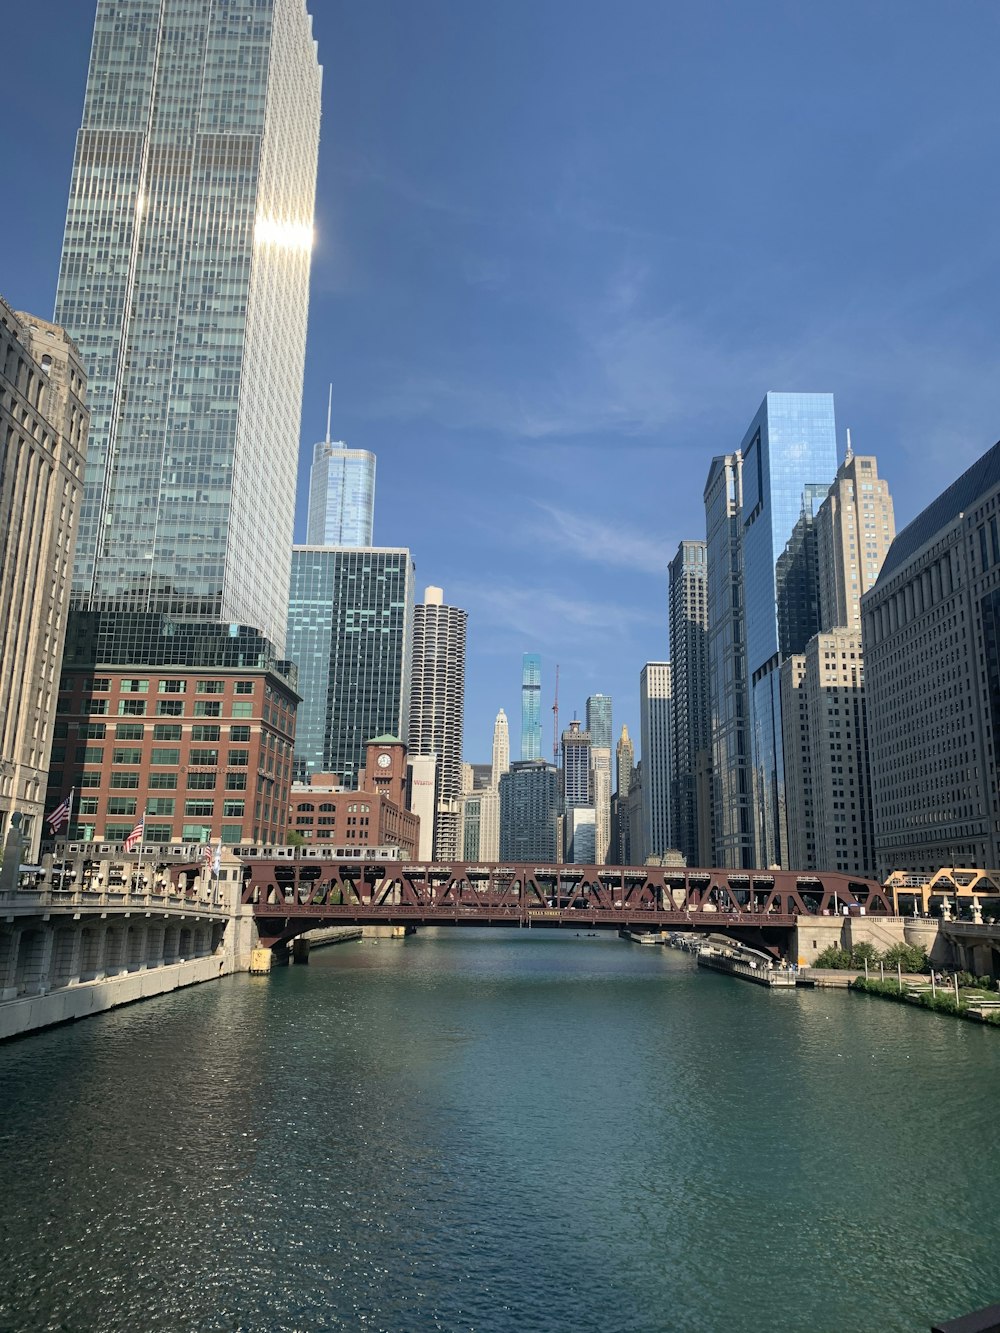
(909,957)
(834,957)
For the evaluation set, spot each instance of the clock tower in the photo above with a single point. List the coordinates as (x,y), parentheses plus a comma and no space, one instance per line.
(385,769)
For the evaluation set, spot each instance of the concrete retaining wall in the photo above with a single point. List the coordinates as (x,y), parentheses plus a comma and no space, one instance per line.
(96,997)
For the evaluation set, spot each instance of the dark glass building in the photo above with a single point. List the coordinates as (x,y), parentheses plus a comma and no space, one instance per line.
(529,813)
(350,633)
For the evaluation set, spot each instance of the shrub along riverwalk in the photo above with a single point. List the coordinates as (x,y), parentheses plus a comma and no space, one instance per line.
(975,1003)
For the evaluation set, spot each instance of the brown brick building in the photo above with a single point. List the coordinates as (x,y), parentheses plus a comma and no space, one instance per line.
(373,816)
(205,752)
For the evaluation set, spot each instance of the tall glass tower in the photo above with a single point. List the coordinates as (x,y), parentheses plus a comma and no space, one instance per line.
(789,462)
(341,495)
(531,706)
(185,283)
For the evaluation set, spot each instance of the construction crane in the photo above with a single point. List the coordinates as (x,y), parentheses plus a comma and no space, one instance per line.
(555,723)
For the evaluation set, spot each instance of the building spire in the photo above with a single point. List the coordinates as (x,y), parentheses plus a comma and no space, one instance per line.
(850,452)
(329,415)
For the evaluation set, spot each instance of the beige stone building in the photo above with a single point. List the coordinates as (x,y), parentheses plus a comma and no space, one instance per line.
(43,441)
(824,720)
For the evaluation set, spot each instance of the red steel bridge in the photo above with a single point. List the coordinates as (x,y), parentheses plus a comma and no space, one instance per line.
(292,895)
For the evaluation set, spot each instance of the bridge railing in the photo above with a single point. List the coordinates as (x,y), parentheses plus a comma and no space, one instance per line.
(28,898)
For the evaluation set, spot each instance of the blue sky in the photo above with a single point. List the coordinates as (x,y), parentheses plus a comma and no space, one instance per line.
(563,249)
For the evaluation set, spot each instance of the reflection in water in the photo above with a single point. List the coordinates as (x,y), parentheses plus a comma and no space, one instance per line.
(492,1131)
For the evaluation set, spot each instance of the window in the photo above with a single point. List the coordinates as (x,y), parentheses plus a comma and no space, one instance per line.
(131,707)
(95,706)
(204,733)
(236,782)
(207,708)
(123,755)
(239,733)
(93,731)
(238,758)
(158,832)
(162,781)
(328,807)
(232,833)
(242,709)
(133,687)
(161,754)
(129,731)
(203,780)
(232,809)
(173,686)
(99,685)
(243,687)
(126,781)
(87,805)
(89,754)
(167,731)
(90,779)
(204,757)
(116,832)
(121,805)
(197,832)
(170,708)
(210,686)
(202,809)
(160,805)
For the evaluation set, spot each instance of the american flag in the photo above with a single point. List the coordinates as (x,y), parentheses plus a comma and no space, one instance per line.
(135,837)
(59,817)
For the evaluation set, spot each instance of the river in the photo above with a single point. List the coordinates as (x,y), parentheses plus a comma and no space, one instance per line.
(498,1130)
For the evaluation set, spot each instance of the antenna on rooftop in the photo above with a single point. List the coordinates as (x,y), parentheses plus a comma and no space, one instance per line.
(329,415)
(555,723)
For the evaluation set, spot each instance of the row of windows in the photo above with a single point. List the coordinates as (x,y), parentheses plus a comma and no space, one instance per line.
(102,684)
(164,708)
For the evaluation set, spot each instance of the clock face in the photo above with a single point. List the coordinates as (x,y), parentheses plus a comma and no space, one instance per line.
(384,760)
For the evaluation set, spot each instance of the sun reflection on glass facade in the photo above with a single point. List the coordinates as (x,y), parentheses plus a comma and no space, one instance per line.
(184,281)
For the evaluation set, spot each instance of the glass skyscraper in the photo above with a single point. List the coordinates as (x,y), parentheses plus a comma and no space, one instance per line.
(185,283)
(789,462)
(531,706)
(599,720)
(341,496)
(350,632)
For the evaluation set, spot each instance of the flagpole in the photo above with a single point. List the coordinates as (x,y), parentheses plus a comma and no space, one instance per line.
(69,826)
(142,839)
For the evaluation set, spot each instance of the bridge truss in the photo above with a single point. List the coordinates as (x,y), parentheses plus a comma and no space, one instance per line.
(289,896)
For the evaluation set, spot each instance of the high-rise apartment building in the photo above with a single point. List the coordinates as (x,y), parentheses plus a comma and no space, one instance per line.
(350,632)
(43,443)
(437,706)
(732,822)
(688,603)
(341,495)
(576,766)
(185,284)
(789,458)
(931,629)
(531,706)
(656,725)
(529,813)
(599,720)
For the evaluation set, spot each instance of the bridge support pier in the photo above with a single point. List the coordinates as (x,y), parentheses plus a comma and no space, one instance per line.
(260,962)
(300,950)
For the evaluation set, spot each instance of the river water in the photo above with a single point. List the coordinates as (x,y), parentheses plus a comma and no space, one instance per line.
(499,1130)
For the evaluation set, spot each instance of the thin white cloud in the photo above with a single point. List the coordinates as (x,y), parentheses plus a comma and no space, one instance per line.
(588,537)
